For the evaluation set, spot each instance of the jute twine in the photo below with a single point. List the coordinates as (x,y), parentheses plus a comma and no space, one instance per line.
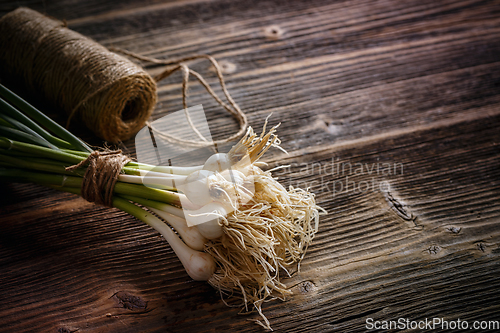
(113,96)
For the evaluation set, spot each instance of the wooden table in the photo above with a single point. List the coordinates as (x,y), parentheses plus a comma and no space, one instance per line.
(390,113)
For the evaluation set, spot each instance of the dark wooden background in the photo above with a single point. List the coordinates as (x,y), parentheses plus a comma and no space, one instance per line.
(413,84)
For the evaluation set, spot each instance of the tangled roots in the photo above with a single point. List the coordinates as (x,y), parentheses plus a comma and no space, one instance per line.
(263,239)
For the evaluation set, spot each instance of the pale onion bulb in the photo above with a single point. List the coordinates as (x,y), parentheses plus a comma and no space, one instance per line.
(190,235)
(196,187)
(234,176)
(233,188)
(217,162)
(210,229)
(208,219)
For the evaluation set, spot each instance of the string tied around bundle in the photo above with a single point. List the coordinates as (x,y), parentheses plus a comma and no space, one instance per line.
(101,175)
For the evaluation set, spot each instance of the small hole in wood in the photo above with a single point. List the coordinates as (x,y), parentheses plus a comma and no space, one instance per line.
(273,32)
(227,67)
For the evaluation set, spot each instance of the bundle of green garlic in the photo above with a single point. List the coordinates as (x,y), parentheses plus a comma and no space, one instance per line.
(229,222)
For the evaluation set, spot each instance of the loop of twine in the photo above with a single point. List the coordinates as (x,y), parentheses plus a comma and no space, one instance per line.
(99,180)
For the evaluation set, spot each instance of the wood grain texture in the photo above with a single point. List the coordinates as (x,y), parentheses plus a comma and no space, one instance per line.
(390,113)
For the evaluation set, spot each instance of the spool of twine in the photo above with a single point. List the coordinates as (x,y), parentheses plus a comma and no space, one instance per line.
(111,95)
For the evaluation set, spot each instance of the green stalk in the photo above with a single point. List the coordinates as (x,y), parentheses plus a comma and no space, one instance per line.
(165,168)
(3,122)
(21,136)
(171,198)
(9,110)
(134,168)
(155,204)
(71,157)
(77,152)
(40,165)
(128,207)
(39,151)
(40,178)
(20,126)
(41,118)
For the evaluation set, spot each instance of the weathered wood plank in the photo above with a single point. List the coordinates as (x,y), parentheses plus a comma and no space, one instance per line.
(365,258)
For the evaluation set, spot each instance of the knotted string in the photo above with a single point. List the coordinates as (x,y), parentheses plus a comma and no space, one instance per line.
(101,175)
